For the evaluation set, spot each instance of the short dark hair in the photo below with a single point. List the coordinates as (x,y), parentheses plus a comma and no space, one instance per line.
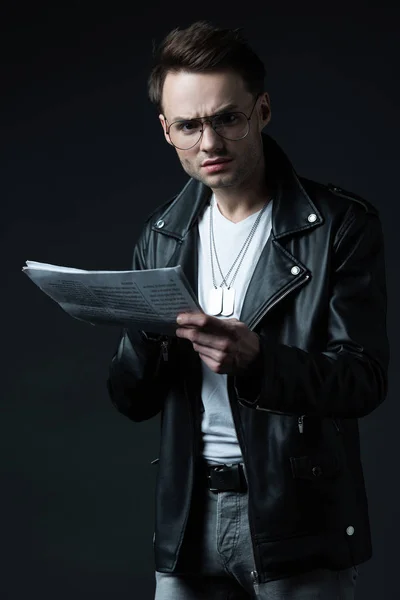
(201,48)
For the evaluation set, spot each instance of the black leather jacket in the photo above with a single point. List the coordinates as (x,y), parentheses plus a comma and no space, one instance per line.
(317,299)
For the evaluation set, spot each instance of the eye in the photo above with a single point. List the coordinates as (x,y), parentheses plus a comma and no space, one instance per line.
(226,119)
(187,126)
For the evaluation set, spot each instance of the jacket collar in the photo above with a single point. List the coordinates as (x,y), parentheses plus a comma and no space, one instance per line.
(292,210)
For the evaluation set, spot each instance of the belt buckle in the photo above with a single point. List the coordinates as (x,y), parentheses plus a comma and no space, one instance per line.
(226,478)
(211,479)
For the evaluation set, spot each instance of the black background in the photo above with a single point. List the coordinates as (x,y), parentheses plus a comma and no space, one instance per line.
(83,161)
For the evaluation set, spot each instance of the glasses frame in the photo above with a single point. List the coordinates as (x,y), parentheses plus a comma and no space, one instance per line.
(210,120)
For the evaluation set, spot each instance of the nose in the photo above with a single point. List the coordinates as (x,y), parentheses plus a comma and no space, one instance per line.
(210,140)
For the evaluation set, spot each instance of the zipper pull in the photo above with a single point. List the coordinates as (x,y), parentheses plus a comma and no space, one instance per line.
(254,576)
(336,425)
(164,350)
(300,423)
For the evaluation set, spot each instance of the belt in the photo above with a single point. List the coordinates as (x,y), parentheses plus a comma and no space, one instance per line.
(224,478)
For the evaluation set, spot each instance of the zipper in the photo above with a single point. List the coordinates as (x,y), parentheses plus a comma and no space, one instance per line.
(276,412)
(192,418)
(300,423)
(298,284)
(164,350)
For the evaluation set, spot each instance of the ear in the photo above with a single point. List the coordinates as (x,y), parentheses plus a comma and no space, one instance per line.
(164,126)
(265,110)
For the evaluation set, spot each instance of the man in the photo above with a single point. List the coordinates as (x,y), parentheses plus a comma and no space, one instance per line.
(260,491)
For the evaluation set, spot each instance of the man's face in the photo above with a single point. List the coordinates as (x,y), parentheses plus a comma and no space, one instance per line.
(193,95)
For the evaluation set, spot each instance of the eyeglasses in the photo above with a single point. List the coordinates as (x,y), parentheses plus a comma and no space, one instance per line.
(232,126)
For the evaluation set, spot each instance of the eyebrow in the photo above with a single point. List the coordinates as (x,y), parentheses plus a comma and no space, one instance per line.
(225,108)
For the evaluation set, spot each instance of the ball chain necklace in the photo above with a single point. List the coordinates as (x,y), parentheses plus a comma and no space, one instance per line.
(221,300)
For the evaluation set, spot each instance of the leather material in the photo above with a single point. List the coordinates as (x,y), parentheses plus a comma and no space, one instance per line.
(317,299)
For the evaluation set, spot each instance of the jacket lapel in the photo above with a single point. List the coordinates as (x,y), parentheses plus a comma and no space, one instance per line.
(180,223)
(278,272)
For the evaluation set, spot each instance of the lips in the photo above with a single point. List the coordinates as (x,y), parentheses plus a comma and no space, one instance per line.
(219,161)
(217,167)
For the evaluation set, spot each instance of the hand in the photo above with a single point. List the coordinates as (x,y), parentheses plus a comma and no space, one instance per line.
(225,345)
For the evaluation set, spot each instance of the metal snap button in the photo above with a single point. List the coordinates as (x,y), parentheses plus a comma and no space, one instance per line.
(295,270)
(160,224)
(312,218)
(350,530)
(316,471)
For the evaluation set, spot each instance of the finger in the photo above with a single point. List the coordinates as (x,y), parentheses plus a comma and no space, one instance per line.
(211,363)
(205,340)
(188,318)
(206,322)
(213,353)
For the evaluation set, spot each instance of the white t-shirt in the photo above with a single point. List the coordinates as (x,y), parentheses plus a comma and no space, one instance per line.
(218,430)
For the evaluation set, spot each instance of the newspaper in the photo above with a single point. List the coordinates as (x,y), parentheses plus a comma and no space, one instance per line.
(149,300)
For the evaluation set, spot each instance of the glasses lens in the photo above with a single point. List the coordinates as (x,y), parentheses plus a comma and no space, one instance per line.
(185,134)
(231,126)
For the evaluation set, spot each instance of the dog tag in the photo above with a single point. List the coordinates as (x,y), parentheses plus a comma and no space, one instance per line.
(228,302)
(214,304)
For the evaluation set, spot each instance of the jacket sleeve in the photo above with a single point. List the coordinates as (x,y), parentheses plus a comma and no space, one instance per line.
(139,376)
(349,378)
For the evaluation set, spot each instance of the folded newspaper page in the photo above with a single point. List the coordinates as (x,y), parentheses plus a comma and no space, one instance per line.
(149,300)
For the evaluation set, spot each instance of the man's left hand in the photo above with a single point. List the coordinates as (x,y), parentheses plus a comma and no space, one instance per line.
(225,345)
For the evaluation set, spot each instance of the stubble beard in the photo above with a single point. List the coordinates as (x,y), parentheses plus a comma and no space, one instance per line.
(219,180)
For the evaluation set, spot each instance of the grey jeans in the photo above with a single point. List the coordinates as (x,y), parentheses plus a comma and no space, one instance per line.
(218,554)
